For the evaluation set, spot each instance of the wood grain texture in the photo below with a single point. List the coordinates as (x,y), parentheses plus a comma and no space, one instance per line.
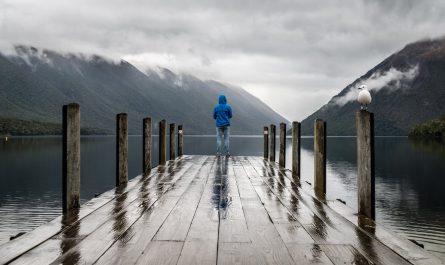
(147,146)
(282,158)
(296,149)
(272,143)
(208,210)
(320,157)
(71,157)
(121,149)
(365,163)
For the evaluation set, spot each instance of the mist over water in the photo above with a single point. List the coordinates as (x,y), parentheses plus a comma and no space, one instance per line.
(409,178)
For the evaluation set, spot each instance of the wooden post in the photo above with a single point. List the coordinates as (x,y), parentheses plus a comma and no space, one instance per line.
(71,157)
(172,141)
(320,156)
(180,141)
(365,163)
(272,143)
(146,139)
(266,142)
(162,143)
(282,158)
(121,149)
(296,144)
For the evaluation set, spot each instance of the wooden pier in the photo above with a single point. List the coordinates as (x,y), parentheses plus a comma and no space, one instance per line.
(210,210)
(214,210)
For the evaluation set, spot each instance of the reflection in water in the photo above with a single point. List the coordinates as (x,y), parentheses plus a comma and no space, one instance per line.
(365,241)
(119,212)
(220,198)
(70,237)
(433,146)
(409,178)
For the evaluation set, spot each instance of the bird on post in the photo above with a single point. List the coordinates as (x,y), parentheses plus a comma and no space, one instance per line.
(364,97)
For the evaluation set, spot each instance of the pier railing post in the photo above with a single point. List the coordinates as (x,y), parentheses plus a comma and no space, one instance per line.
(146,154)
(172,141)
(282,158)
(71,157)
(365,163)
(266,142)
(162,143)
(272,143)
(320,156)
(296,144)
(180,141)
(121,149)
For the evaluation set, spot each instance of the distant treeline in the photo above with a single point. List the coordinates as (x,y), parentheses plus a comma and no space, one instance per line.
(9,126)
(434,129)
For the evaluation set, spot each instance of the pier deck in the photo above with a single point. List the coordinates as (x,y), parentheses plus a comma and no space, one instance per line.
(208,210)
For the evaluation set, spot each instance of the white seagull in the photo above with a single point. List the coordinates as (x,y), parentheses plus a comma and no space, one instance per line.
(364,97)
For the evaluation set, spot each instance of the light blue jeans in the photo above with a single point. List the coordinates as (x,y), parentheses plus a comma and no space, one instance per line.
(222,136)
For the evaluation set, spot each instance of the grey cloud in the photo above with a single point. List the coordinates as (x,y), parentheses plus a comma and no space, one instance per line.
(293,55)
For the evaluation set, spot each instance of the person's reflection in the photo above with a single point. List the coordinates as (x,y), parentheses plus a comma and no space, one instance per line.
(225,199)
(216,191)
(221,198)
(70,237)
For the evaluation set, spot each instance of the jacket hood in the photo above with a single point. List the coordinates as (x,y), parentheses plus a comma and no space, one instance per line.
(222,99)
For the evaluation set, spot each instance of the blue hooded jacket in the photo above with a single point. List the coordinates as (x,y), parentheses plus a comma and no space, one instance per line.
(222,112)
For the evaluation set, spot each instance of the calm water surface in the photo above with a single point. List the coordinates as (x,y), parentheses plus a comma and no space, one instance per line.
(410,178)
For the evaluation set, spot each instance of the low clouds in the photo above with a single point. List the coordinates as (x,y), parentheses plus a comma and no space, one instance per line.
(391,80)
(294,55)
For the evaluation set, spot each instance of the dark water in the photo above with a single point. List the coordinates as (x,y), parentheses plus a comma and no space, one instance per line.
(410,179)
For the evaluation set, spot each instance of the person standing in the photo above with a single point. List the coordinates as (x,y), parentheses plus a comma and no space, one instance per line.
(222,113)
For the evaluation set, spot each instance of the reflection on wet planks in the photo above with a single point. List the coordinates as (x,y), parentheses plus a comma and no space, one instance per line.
(208,210)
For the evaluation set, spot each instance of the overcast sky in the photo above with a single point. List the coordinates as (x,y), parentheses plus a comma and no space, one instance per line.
(293,55)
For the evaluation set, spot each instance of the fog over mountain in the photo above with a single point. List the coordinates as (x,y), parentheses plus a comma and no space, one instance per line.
(34,84)
(407,88)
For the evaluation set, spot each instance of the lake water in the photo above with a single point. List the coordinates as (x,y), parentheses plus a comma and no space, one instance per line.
(410,178)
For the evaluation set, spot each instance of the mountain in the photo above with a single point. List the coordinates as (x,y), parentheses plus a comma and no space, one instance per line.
(34,84)
(407,88)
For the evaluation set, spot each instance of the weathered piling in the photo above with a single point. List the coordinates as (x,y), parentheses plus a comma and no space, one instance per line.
(146,154)
(320,156)
(162,143)
(121,149)
(180,141)
(266,142)
(272,143)
(296,145)
(282,158)
(172,141)
(71,157)
(365,163)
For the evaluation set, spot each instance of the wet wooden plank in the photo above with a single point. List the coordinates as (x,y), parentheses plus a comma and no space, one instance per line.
(150,222)
(265,238)
(328,227)
(178,223)
(102,226)
(201,243)
(294,234)
(203,210)
(344,254)
(309,254)
(161,252)
(15,248)
(239,253)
